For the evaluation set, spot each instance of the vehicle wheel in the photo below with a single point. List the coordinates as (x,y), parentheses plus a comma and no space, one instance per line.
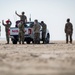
(32,42)
(14,42)
(28,42)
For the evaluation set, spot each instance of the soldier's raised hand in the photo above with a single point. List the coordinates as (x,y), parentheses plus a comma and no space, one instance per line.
(15,12)
(3,22)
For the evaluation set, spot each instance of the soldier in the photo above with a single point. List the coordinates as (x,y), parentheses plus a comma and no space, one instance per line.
(68,30)
(21,32)
(36,29)
(22,17)
(7,26)
(44,27)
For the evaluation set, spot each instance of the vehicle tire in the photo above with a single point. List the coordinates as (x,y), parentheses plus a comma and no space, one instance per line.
(14,42)
(32,42)
(28,42)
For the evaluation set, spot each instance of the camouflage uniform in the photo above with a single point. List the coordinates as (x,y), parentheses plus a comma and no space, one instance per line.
(21,32)
(69,31)
(36,29)
(44,27)
(22,17)
(7,26)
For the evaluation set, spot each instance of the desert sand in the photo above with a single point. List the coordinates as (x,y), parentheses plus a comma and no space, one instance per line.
(56,58)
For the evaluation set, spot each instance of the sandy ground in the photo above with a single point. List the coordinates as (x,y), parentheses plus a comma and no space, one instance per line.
(56,58)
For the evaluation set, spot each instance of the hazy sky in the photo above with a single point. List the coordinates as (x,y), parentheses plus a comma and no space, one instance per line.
(53,12)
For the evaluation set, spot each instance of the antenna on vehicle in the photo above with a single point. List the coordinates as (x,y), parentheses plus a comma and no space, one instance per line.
(30,18)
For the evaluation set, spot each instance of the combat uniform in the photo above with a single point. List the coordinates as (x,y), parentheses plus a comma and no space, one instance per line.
(44,27)
(36,29)
(21,32)
(69,31)
(7,26)
(23,18)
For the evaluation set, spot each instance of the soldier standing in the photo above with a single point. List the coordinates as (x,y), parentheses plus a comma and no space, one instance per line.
(36,29)
(22,17)
(68,30)
(21,32)
(44,27)
(7,26)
